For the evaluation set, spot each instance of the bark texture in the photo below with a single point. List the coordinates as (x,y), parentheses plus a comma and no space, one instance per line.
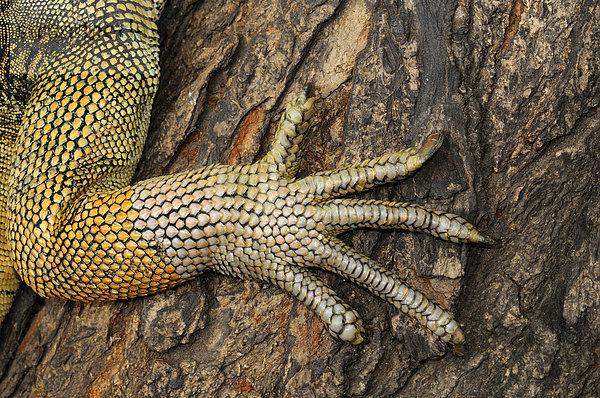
(514,85)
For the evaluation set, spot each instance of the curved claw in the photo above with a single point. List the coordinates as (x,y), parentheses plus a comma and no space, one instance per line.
(433,142)
(478,237)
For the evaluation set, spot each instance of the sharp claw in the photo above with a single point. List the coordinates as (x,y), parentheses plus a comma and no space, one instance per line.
(486,240)
(431,145)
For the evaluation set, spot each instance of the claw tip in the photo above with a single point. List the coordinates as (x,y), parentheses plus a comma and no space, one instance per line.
(486,240)
(458,349)
(478,237)
(305,90)
(431,145)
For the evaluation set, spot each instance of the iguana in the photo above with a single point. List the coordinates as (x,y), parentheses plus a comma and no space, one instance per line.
(77,83)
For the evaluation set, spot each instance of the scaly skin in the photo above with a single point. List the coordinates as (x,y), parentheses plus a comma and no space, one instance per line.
(78,82)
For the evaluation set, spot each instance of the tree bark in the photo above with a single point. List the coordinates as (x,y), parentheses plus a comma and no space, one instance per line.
(514,86)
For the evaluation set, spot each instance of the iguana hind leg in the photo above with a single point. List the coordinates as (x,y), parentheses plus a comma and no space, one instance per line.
(73,226)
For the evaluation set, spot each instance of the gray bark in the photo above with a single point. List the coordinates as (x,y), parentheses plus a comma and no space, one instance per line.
(514,86)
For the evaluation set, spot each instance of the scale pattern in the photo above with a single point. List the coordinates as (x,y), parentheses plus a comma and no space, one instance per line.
(78,79)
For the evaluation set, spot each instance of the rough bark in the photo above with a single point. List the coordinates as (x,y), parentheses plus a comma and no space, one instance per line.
(514,85)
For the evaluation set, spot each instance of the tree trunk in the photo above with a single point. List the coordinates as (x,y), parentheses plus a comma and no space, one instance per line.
(514,86)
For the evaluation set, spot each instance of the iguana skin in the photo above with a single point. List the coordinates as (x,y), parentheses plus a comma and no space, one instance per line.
(77,84)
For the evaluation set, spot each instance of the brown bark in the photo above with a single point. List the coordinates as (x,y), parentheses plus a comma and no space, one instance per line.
(514,85)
